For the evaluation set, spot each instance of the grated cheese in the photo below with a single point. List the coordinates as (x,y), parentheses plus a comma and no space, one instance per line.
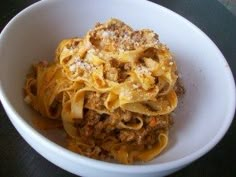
(83,65)
(142,70)
(107,34)
(72,68)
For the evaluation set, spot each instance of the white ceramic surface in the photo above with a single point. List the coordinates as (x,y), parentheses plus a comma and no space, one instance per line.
(203,116)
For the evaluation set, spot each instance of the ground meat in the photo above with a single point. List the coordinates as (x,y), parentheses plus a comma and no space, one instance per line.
(136,136)
(92,117)
(127,66)
(151,138)
(99,126)
(149,133)
(114,62)
(115,118)
(88,131)
(122,73)
(160,122)
(140,135)
(96,127)
(126,116)
(126,136)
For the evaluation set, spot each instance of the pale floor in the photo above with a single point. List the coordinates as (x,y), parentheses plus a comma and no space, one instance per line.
(230,5)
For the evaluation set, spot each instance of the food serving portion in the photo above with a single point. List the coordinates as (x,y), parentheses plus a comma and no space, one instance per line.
(114,90)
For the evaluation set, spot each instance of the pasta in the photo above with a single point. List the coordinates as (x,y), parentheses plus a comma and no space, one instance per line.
(114,91)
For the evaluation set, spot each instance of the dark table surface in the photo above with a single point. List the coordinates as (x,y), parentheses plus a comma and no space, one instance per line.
(18,159)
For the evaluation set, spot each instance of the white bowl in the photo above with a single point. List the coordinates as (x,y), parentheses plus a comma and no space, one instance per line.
(204,114)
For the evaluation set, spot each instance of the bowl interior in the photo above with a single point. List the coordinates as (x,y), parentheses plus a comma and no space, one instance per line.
(34,34)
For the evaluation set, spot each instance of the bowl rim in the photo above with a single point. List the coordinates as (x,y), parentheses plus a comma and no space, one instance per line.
(113,167)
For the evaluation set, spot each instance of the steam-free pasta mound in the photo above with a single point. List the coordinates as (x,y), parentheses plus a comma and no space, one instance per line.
(114,90)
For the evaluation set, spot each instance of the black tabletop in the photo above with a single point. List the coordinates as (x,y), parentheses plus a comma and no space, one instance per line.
(18,159)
